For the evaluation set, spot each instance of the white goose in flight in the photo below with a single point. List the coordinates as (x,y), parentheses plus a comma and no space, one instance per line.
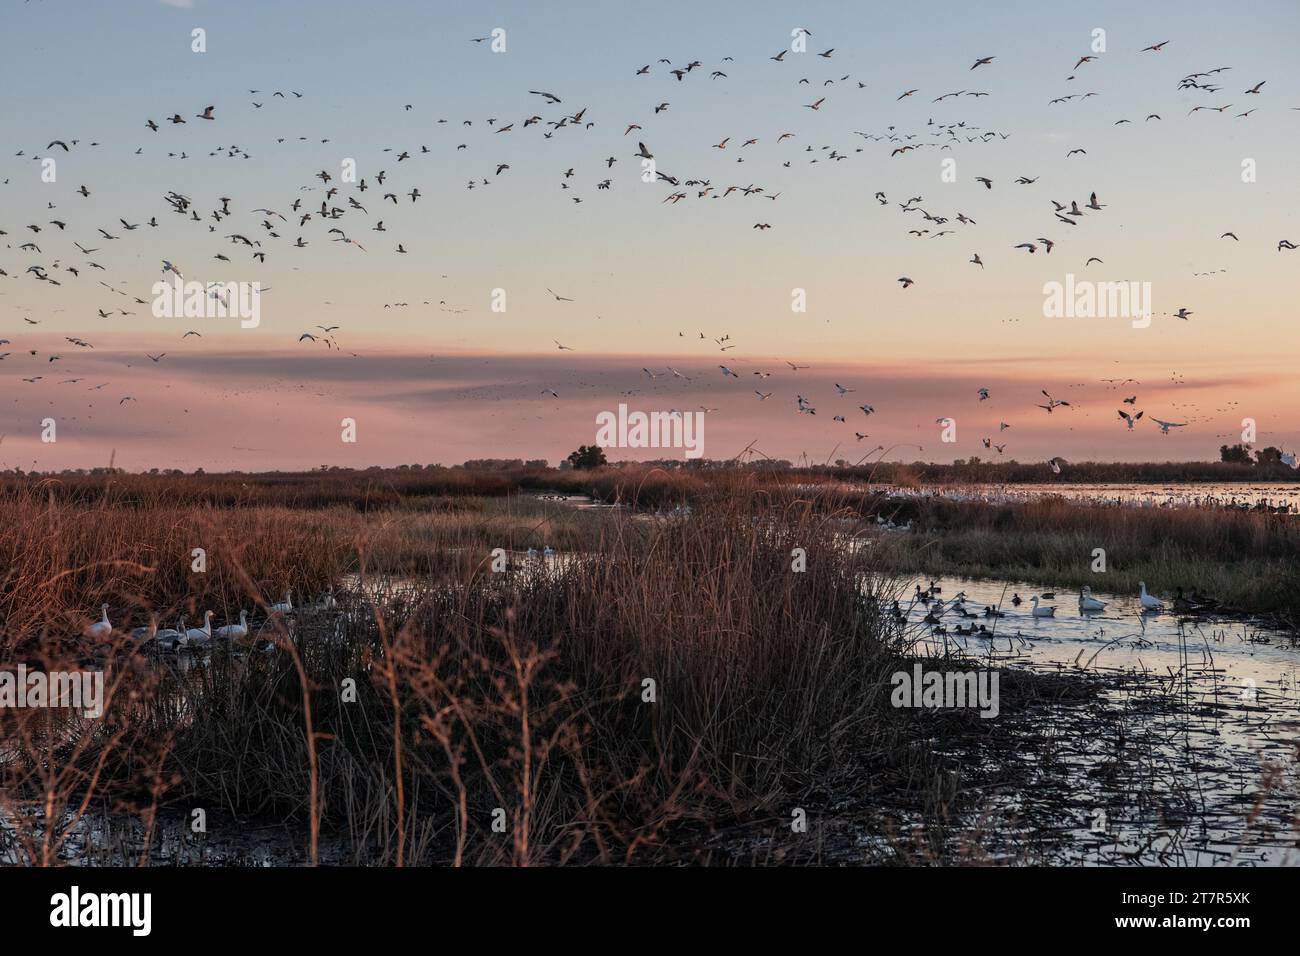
(1052,402)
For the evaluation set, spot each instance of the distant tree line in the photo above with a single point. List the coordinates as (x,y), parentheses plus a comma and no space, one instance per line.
(1240,454)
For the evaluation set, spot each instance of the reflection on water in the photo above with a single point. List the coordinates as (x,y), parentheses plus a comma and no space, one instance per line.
(1169,767)
(581,502)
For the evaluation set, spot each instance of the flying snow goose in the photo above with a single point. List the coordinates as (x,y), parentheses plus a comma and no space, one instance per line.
(1130,419)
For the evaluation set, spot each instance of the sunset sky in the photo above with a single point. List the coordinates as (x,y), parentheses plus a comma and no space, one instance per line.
(444,378)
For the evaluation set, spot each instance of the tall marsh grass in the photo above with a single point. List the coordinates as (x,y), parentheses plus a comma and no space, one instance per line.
(670,673)
(676,674)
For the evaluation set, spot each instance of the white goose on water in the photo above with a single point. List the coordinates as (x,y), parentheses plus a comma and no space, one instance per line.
(234,632)
(101,628)
(200,636)
(326,603)
(285,606)
(1089,603)
(143,635)
(1149,603)
(170,637)
(1043,611)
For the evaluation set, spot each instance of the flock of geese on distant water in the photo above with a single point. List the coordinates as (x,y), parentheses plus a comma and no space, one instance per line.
(936,607)
(199,638)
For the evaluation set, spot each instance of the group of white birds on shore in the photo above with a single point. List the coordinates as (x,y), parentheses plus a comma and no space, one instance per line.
(183,637)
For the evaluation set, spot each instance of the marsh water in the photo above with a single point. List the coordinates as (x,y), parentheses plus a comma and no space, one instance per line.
(1272,494)
(1189,756)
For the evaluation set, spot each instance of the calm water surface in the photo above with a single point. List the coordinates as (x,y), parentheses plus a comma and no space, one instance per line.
(1215,711)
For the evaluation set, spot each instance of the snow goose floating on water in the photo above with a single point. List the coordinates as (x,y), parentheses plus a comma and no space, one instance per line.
(101,628)
(326,603)
(170,637)
(200,636)
(143,635)
(1089,603)
(234,632)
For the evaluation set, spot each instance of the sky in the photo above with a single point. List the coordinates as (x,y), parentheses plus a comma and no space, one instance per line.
(631,282)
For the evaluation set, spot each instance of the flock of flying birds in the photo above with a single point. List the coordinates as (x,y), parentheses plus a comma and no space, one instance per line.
(61,247)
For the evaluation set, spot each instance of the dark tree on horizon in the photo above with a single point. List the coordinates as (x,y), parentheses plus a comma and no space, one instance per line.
(587,457)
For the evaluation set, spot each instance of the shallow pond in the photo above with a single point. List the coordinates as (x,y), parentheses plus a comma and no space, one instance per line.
(1206,712)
